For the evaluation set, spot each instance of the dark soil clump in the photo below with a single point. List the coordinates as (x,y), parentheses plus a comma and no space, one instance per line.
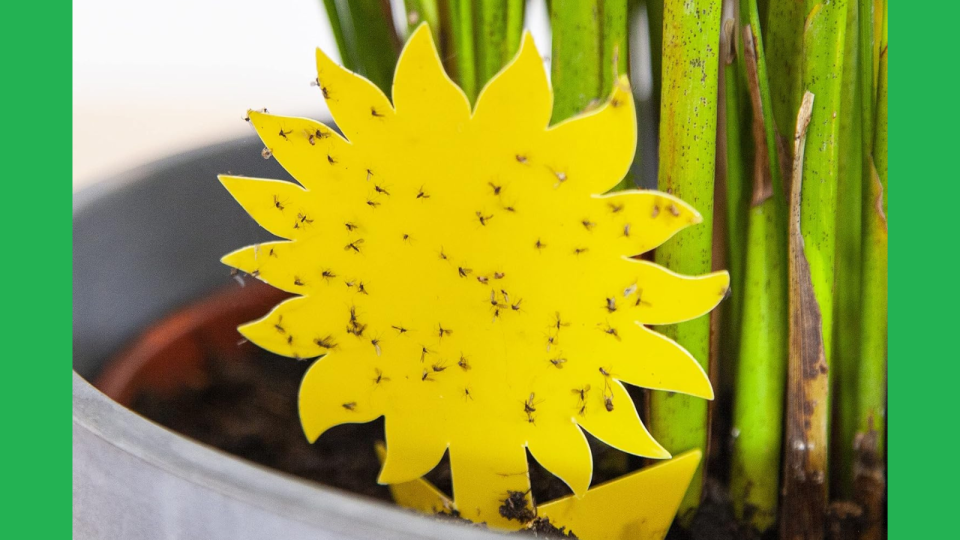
(515,507)
(542,528)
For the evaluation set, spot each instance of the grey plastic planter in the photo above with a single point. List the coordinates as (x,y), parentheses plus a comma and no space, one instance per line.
(143,245)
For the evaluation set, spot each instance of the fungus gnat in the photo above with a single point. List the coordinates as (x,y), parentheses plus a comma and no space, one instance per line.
(326,342)
(355,245)
(483,219)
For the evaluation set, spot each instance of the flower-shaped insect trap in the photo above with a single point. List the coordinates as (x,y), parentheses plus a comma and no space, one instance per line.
(462,274)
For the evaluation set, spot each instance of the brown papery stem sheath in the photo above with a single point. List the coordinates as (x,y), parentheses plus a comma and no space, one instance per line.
(805,457)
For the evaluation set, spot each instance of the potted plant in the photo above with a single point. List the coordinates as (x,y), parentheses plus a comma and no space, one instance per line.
(129,272)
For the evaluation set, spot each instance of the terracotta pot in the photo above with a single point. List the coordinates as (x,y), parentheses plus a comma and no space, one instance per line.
(170,355)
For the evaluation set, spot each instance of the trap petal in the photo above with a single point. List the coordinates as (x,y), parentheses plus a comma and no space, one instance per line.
(414,447)
(594,149)
(417,494)
(269,263)
(272,203)
(360,109)
(311,152)
(332,393)
(654,495)
(298,328)
(564,452)
(619,427)
(650,360)
(519,96)
(641,220)
(422,92)
(484,472)
(665,297)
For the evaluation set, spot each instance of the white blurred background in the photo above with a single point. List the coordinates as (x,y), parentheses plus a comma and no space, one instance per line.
(151,79)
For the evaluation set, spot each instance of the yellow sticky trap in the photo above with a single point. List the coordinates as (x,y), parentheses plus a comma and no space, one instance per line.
(466,276)
(653,492)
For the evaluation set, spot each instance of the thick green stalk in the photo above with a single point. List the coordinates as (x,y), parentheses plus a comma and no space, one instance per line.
(688,123)
(823,43)
(871,402)
(366,37)
(427,11)
(736,184)
(345,42)
(761,372)
(783,45)
(748,10)
(848,312)
(869,465)
(758,403)
(655,20)
(499,27)
(615,61)
(614,49)
(576,69)
(462,59)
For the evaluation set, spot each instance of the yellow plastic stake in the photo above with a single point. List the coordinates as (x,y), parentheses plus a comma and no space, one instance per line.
(653,493)
(462,273)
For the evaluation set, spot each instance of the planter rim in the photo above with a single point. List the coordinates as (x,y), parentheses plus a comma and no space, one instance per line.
(321,508)
(252,484)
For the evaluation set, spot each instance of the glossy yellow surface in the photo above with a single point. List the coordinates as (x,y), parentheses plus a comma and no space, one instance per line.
(466,277)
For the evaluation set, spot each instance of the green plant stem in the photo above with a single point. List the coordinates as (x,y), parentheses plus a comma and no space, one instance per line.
(688,123)
(761,371)
(871,399)
(869,465)
(348,50)
(420,11)
(655,21)
(736,184)
(614,49)
(758,402)
(823,43)
(493,44)
(748,9)
(783,45)
(848,310)
(575,69)
(368,42)
(463,57)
